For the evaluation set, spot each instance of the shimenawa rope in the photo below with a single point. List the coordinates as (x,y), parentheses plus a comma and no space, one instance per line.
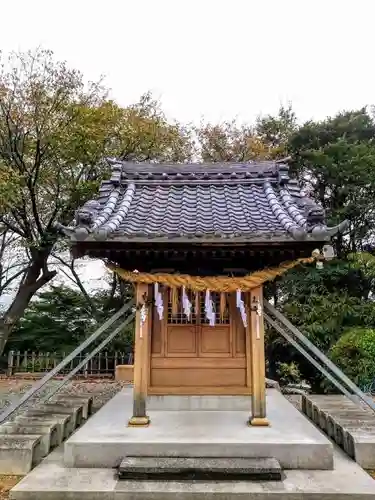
(212,283)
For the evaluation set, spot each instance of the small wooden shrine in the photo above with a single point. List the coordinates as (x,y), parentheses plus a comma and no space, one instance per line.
(199,241)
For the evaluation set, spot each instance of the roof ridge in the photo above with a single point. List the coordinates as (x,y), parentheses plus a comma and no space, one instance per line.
(234,172)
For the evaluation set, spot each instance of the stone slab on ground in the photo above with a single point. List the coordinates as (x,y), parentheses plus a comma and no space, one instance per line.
(86,400)
(52,481)
(67,418)
(200,469)
(106,439)
(48,432)
(350,425)
(19,453)
(75,410)
(63,422)
(309,400)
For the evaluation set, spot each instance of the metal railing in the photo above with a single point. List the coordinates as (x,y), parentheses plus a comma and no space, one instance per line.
(322,363)
(86,343)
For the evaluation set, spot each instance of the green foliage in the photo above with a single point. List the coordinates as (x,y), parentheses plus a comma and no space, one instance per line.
(59,319)
(277,130)
(323,304)
(231,141)
(288,373)
(354,353)
(335,160)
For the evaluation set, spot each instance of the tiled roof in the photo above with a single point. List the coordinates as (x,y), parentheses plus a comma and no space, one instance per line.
(250,202)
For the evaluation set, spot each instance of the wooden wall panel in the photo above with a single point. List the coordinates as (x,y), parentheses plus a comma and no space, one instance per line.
(239,331)
(199,377)
(215,341)
(193,363)
(181,340)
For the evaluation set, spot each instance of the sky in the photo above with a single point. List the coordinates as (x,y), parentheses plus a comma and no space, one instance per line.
(211,59)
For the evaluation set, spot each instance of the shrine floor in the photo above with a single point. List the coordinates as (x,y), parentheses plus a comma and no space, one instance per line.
(84,468)
(105,439)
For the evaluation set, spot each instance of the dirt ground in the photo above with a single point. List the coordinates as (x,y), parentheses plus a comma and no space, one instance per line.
(12,384)
(6,484)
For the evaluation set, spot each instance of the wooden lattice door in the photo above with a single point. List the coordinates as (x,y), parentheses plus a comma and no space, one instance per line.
(190,356)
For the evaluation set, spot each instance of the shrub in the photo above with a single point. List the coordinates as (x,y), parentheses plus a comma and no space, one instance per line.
(288,373)
(354,353)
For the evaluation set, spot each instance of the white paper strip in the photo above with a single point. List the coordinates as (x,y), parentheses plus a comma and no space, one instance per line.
(158,301)
(241,306)
(209,309)
(259,314)
(143,316)
(186,304)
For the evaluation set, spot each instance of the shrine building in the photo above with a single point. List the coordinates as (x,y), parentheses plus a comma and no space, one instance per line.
(198,241)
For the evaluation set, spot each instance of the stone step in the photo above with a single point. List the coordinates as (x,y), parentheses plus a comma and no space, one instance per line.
(19,453)
(86,400)
(48,412)
(352,427)
(48,432)
(75,410)
(51,480)
(63,422)
(200,469)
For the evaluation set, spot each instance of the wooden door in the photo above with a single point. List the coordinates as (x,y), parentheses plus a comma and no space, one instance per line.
(192,357)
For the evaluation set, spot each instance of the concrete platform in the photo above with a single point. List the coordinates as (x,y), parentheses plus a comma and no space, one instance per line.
(291,439)
(52,481)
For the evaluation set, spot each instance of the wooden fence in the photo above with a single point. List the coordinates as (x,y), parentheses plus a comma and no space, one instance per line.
(103,364)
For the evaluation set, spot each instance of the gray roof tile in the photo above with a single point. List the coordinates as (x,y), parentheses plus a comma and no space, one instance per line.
(249,202)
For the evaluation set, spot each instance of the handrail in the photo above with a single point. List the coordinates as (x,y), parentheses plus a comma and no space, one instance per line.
(93,353)
(323,358)
(44,380)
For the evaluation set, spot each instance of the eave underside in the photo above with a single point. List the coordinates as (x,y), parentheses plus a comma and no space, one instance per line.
(194,259)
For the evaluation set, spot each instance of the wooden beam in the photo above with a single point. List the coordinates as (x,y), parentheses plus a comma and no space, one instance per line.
(258,370)
(141,356)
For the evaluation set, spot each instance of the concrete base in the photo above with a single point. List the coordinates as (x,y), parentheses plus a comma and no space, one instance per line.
(199,403)
(291,439)
(52,481)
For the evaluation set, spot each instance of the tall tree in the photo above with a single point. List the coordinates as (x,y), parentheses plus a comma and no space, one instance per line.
(335,159)
(55,130)
(232,141)
(276,130)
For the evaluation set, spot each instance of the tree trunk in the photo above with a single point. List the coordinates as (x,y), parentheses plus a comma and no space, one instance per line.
(36,276)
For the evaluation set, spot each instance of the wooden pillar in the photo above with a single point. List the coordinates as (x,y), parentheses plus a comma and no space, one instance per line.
(141,356)
(258,368)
